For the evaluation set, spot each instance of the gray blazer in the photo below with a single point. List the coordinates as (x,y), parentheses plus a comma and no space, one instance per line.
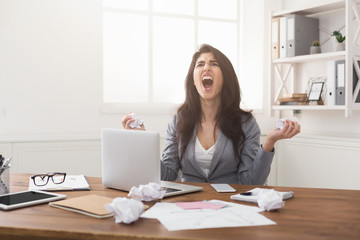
(252,167)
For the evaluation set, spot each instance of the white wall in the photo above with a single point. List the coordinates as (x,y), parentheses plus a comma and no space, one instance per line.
(50,67)
(51,70)
(51,86)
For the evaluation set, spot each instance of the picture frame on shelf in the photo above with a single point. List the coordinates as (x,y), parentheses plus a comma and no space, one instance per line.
(315,91)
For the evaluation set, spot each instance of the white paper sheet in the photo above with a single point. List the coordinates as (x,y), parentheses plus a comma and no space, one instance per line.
(240,206)
(234,215)
(161,208)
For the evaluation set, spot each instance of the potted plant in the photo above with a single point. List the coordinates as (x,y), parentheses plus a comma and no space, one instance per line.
(340,40)
(315,48)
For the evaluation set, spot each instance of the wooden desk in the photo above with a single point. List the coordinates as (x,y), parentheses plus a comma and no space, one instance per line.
(312,214)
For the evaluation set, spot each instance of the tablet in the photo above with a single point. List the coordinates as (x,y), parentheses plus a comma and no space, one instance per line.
(27,198)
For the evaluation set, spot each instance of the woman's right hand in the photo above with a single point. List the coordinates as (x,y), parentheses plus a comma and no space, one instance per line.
(126,123)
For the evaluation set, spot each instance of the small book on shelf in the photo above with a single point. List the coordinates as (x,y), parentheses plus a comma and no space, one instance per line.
(295,103)
(294,99)
(298,95)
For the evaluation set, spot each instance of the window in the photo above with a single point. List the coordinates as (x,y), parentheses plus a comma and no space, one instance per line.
(148,45)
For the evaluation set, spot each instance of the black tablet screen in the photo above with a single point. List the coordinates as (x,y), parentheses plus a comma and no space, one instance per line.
(23,197)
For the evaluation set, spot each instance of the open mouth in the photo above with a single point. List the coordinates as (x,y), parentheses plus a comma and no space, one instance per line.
(207,82)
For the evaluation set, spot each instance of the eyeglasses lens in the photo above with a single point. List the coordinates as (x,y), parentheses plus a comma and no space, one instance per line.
(41,180)
(58,178)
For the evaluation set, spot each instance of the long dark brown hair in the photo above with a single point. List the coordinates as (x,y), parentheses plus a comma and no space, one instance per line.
(229,117)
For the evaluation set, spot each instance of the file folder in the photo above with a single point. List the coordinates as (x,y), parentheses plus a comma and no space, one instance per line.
(340,82)
(355,82)
(283,36)
(275,35)
(301,32)
(336,83)
(331,90)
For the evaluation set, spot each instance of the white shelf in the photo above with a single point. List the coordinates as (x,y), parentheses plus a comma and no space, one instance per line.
(312,58)
(307,107)
(314,9)
(292,75)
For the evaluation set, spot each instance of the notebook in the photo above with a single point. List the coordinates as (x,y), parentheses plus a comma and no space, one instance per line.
(132,158)
(252,197)
(72,182)
(91,205)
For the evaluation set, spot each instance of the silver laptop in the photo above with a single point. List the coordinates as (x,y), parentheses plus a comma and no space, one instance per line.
(132,158)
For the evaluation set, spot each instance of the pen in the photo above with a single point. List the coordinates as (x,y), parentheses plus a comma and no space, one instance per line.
(246,193)
(5,164)
(1,160)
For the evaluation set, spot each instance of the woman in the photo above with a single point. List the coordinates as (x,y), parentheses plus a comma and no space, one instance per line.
(211,139)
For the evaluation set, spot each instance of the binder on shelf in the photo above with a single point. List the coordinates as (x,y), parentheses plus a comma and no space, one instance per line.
(275,36)
(355,82)
(283,37)
(301,32)
(331,90)
(336,83)
(340,82)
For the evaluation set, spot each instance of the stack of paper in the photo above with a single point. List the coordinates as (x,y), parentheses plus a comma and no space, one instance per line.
(294,99)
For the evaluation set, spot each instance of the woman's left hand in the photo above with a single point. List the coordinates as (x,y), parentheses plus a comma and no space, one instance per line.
(290,129)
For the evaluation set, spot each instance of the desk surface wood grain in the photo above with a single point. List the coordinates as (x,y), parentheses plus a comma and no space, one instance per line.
(311,214)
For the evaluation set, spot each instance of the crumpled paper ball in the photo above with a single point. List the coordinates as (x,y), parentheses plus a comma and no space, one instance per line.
(125,210)
(269,199)
(149,192)
(137,123)
(280,123)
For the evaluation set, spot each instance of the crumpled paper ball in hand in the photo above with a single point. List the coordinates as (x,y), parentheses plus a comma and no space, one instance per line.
(269,199)
(137,123)
(125,210)
(280,123)
(149,192)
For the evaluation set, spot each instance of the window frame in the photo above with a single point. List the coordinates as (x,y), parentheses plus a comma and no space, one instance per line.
(150,106)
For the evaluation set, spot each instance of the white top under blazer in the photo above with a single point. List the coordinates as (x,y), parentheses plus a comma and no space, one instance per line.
(203,157)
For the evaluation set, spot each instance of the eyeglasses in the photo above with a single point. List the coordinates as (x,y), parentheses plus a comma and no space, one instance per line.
(43,179)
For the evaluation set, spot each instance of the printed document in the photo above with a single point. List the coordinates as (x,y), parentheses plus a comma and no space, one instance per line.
(176,218)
